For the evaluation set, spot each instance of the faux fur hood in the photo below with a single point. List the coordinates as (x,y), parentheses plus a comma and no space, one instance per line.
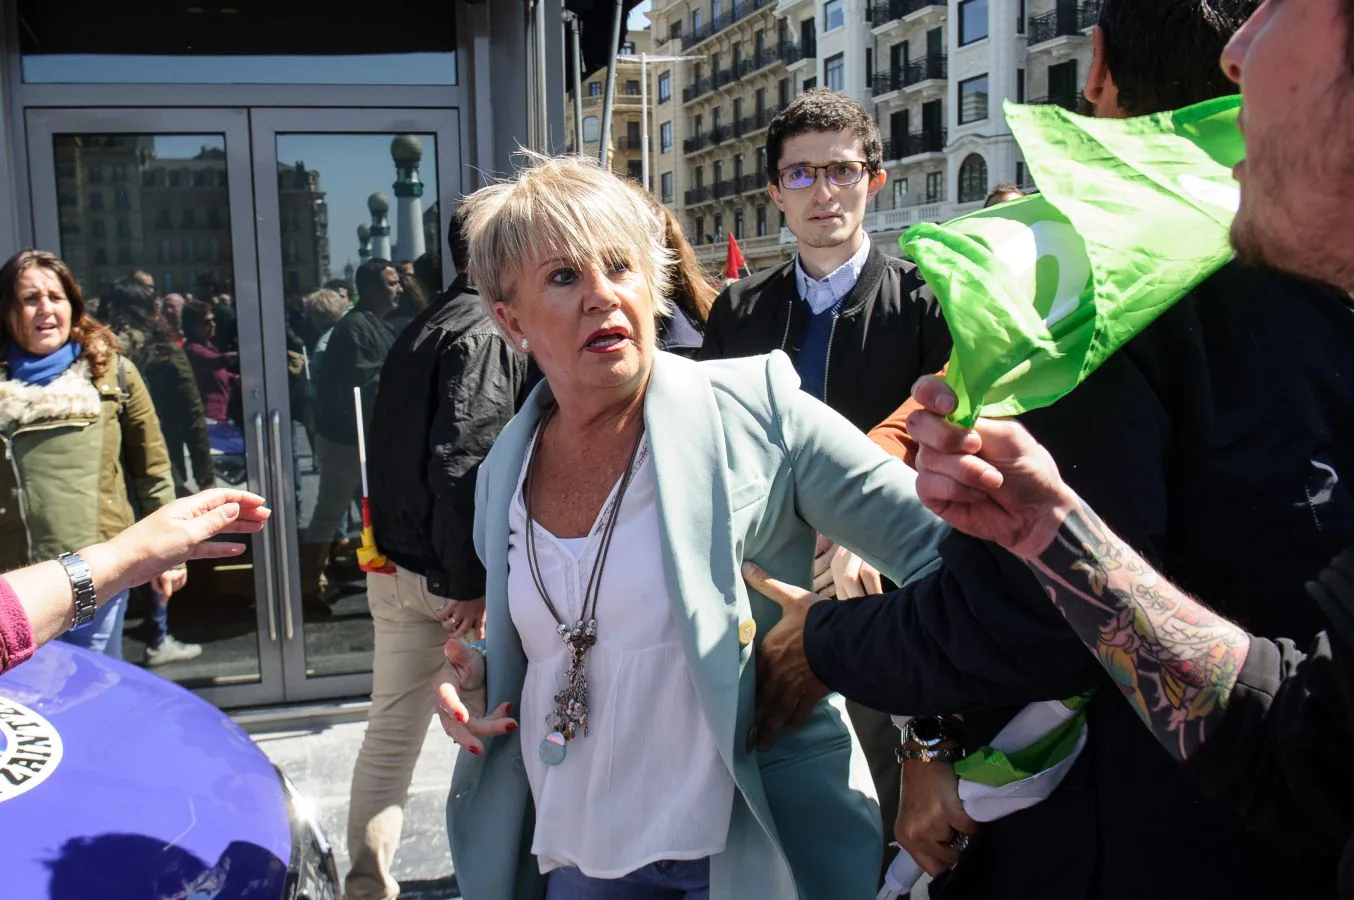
(70,396)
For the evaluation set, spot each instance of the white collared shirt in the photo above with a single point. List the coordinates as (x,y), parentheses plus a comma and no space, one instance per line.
(823,294)
(647,783)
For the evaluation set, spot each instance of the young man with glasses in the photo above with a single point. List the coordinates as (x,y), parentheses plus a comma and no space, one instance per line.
(859,326)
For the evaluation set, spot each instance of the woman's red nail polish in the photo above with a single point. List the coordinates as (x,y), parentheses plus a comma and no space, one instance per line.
(507,708)
(512,726)
(474,750)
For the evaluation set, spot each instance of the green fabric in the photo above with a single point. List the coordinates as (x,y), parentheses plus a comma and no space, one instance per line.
(1038,292)
(996,768)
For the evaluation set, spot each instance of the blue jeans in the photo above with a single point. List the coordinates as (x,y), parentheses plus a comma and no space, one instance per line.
(104,634)
(159,619)
(664,880)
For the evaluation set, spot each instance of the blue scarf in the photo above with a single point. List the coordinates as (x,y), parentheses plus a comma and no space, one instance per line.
(40,370)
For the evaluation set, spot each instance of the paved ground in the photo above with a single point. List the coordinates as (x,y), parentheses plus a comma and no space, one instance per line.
(320,762)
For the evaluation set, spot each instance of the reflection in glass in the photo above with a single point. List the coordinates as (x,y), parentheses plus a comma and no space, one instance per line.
(137,214)
(336,212)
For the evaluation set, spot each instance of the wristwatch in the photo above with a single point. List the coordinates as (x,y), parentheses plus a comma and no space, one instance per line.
(82,586)
(928,755)
(931,731)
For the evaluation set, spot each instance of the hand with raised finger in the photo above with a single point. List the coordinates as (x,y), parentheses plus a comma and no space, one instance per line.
(823,551)
(460,690)
(931,815)
(994,481)
(787,689)
(853,576)
(463,618)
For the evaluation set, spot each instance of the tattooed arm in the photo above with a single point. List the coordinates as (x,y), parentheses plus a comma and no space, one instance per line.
(1174,659)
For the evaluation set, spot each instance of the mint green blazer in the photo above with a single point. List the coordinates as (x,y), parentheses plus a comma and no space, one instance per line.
(748,467)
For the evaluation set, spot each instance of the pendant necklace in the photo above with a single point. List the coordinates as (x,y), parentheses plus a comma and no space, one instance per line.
(569,719)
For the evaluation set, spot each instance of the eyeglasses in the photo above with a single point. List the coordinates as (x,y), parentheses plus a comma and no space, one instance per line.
(843,173)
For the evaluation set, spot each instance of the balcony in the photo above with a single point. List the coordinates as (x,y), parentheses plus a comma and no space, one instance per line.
(726,188)
(1068,20)
(749,183)
(914,73)
(698,195)
(696,144)
(629,142)
(620,101)
(736,13)
(719,134)
(1069,100)
(905,217)
(702,87)
(714,253)
(915,144)
(887,12)
(798,54)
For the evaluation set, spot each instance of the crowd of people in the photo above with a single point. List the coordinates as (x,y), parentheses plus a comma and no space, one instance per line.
(708,589)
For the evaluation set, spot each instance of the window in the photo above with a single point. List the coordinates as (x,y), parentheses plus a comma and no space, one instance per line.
(833,15)
(761,221)
(719,172)
(699,127)
(699,177)
(592,127)
(202,178)
(973,99)
(665,187)
(632,88)
(1020,174)
(783,92)
(166,253)
(100,256)
(1020,18)
(665,87)
(635,169)
(189,218)
(1020,85)
(899,193)
(700,230)
(95,175)
(972,21)
(213,218)
(869,65)
(96,228)
(719,225)
(96,201)
(215,245)
(675,30)
(665,138)
(119,175)
(834,71)
(738,166)
(972,178)
(714,12)
(121,201)
(594,88)
(697,19)
(935,187)
(175,178)
(190,250)
(628,48)
(124,228)
(168,281)
(809,84)
(738,225)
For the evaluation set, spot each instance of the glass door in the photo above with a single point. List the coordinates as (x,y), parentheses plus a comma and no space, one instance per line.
(163,198)
(335,189)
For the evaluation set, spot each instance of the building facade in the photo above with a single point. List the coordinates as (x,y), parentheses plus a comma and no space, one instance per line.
(627,116)
(932,73)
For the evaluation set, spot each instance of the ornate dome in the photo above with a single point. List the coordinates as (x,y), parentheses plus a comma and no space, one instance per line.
(406,150)
(378,203)
(364,232)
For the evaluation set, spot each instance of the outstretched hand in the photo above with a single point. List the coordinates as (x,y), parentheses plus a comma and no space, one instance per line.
(461,692)
(994,481)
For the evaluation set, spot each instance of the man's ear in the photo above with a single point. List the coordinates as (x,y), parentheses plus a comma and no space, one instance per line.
(1100,90)
(774,190)
(876,183)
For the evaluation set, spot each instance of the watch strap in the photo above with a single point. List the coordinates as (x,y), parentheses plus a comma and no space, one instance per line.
(82,587)
(927,755)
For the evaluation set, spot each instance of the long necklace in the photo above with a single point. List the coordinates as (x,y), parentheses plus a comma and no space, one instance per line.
(569,719)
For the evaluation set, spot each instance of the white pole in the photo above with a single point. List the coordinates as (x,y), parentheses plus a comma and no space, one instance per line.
(361,439)
(644,119)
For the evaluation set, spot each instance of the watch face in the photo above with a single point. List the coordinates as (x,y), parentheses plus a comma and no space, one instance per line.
(929,730)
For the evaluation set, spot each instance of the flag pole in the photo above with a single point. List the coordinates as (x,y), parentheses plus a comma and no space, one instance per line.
(369,558)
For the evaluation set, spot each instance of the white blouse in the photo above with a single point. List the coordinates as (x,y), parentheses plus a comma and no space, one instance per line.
(647,782)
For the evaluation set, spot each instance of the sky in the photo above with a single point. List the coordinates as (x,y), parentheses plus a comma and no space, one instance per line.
(638,20)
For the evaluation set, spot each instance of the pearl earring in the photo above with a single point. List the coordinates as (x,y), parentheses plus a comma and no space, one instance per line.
(523,343)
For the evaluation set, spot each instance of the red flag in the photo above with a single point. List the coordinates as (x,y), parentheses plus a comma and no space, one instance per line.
(734,263)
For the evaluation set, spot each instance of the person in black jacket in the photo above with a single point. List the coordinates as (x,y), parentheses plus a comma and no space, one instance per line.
(1212,445)
(859,326)
(356,351)
(449,385)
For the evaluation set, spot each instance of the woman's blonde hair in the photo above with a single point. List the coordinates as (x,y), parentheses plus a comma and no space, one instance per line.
(567,206)
(325,307)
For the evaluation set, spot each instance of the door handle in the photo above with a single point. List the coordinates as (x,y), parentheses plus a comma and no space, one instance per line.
(275,442)
(267,544)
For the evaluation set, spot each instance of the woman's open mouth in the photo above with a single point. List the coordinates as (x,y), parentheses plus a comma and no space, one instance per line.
(607,340)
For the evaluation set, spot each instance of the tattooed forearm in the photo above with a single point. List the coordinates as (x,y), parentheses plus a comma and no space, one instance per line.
(1174,659)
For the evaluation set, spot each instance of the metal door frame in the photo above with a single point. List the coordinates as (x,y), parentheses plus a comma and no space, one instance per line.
(266,125)
(44,124)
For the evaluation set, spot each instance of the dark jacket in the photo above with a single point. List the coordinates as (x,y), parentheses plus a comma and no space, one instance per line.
(888,333)
(1281,753)
(449,385)
(357,350)
(1212,443)
(173,388)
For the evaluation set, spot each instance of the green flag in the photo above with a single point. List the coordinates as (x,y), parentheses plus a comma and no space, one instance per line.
(1038,292)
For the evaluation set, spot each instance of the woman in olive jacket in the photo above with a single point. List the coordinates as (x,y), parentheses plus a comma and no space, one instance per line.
(79,430)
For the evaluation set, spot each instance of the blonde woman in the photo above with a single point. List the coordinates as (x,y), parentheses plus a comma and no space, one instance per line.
(612,517)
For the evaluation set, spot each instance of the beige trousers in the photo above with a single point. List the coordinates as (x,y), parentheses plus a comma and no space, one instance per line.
(408,653)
